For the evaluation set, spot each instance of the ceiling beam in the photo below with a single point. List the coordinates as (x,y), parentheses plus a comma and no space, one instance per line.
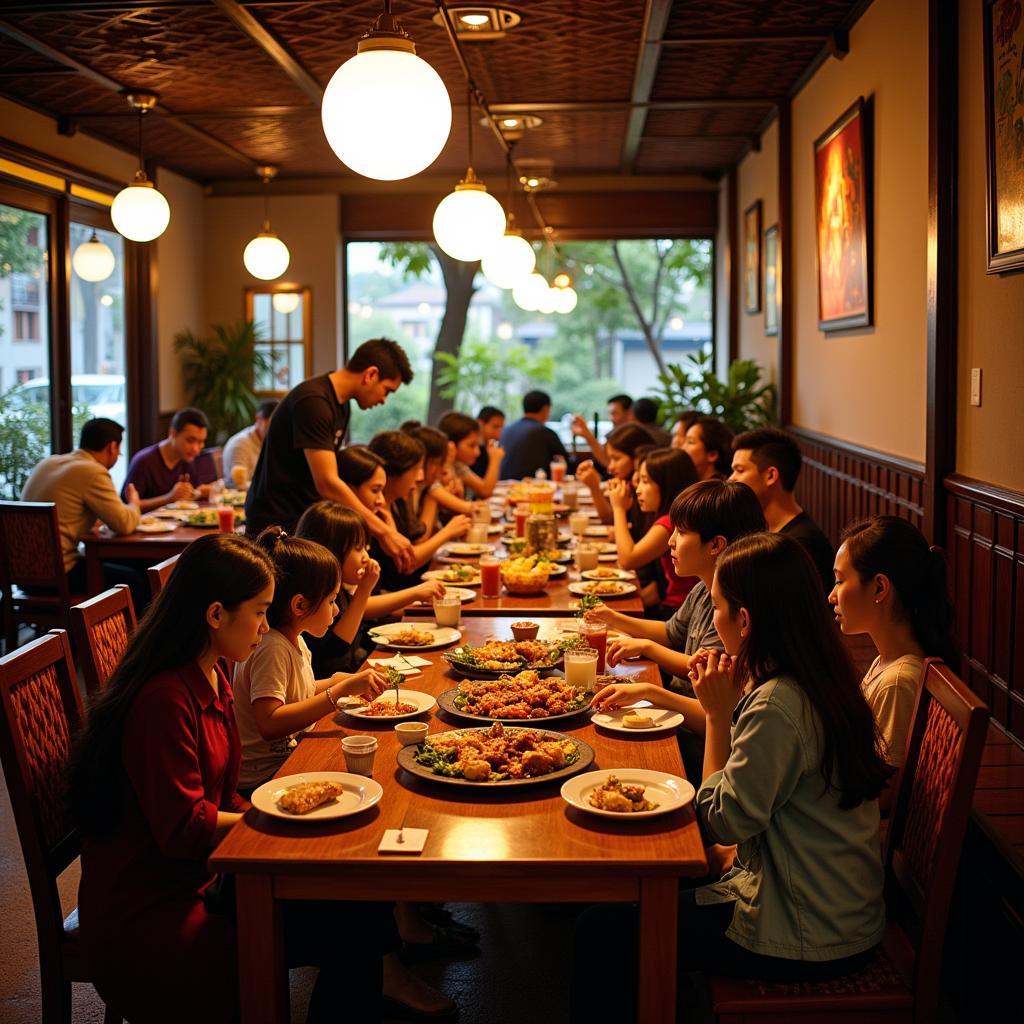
(656,14)
(274,48)
(597,106)
(747,39)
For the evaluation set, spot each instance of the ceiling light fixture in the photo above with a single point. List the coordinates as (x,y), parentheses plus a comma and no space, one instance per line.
(511,257)
(266,256)
(527,294)
(93,260)
(386,113)
(139,211)
(286,302)
(480,22)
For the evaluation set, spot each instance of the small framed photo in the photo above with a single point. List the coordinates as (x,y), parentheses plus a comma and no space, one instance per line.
(752,258)
(772,280)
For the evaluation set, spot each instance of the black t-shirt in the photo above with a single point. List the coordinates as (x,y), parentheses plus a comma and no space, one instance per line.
(529,446)
(804,529)
(309,416)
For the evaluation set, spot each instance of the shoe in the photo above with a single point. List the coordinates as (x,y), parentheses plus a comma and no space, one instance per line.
(394,1010)
(451,941)
(439,914)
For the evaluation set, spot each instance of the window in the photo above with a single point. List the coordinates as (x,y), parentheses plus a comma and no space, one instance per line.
(26,325)
(283,321)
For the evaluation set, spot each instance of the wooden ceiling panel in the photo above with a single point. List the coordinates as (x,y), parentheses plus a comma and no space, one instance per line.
(665,156)
(734,17)
(676,123)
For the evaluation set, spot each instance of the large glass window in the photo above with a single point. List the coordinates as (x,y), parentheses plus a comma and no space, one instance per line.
(283,319)
(24,345)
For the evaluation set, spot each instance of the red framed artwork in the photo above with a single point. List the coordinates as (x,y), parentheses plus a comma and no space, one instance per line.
(842,195)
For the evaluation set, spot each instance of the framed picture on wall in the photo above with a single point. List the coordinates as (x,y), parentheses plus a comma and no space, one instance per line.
(752,258)
(771,280)
(1004,136)
(842,197)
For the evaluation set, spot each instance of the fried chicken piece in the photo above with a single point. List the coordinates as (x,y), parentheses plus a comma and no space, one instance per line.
(308,796)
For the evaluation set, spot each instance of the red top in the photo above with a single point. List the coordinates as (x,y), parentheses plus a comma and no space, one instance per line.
(677,586)
(146,930)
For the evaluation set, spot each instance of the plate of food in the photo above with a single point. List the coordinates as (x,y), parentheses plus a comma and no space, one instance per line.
(183,506)
(525,696)
(148,524)
(392,705)
(316,796)
(602,588)
(496,757)
(405,637)
(641,717)
(606,573)
(496,657)
(627,793)
(532,563)
(596,531)
(516,548)
(458,572)
(208,517)
(463,549)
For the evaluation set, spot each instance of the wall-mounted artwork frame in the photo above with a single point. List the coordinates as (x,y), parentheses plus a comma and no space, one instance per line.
(752,258)
(843,219)
(772,280)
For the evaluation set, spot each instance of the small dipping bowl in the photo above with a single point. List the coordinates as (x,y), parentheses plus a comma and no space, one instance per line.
(525,630)
(409,733)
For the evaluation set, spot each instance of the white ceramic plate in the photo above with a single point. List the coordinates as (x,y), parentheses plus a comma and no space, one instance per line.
(580,589)
(606,574)
(438,574)
(664,720)
(179,515)
(423,702)
(164,526)
(460,592)
(359,793)
(669,792)
(463,549)
(596,531)
(190,506)
(442,635)
(495,528)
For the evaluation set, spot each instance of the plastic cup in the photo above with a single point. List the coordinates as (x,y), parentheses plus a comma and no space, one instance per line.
(587,556)
(226,519)
(581,669)
(570,496)
(411,732)
(490,576)
(558,470)
(578,522)
(596,636)
(359,751)
(482,514)
(448,610)
(477,534)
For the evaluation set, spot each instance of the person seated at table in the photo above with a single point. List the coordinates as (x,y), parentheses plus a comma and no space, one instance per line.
(152,789)
(792,773)
(891,585)
(620,411)
(403,458)
(530,444)
(277,696)
(176,468)
(708,442)
(662,474)
(621,447)
(464,434)
(645,414)
(768,461)
(79,484)
(492,423)
(441,494)
(681,426)
(243,449)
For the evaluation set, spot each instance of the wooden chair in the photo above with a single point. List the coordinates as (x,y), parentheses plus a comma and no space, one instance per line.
(926,831)
(39,712)
(30,556)
(160,573)
(102,627)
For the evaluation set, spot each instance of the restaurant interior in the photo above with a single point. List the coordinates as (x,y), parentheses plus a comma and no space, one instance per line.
(852,173)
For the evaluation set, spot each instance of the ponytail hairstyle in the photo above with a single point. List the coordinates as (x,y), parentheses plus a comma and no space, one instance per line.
(173,633)
(356,464)
(891,547)
(672,470)
(303,568)
(435,444)
(339,529)
(791,633)
(628,438)
(398,452)
(458,426)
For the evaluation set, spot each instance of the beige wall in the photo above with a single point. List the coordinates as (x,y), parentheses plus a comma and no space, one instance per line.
(723,258)
(868,385)
(309,226)
(991,310)
(758,178)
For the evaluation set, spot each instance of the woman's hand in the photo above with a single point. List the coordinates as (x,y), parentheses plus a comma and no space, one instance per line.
(601,613)
(715,685)
(371,575)
(624,648)
(495,453)
(427,591)
(588,475)
(620,494)
(457,526)
(619,695)
(370,682)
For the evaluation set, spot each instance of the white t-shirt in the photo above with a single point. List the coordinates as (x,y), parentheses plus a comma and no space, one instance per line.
(242,449)
(892,694)
(275,669)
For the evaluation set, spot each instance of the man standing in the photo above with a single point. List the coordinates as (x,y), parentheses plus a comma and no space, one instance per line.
(529,444)
(79,484)
(298,463)
(174,468)
(243,449)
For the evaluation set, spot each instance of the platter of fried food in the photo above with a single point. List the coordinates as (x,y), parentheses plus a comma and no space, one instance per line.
(316,796)
(514,698)
(602,588)
(405,637)
(606,572)
(496,757)
(627,793)
(495,657)
(532,563)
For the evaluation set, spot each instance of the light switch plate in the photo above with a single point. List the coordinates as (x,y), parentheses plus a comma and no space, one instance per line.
(976,385)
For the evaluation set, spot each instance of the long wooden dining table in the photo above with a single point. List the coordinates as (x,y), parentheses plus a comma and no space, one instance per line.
(522,845)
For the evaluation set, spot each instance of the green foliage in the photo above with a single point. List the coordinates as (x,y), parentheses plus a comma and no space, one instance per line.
(741,401)
(16,255)
(219,372)
(413,259)
(483,373)
(409,402)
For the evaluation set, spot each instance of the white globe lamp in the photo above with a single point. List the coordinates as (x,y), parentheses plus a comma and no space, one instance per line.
(140,212)
(386,113)
(468,221)
(285,302)
(509,260)
(528,292)
(93,260)
(565,299)
(546,302)
(266,256)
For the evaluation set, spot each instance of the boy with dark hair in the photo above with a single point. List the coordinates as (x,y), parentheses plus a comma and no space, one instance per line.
(529,443)
(175,468)
(768,461)
(492,423)
(645,412)
(620,411)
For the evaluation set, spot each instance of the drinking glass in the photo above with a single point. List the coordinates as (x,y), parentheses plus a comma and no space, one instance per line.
(490,576)
(586,556)
(596,635)
(581,668)
(578,523)
(226,518)
(448,610)
(482,513)
(477,534)
(558,469)
(570,496)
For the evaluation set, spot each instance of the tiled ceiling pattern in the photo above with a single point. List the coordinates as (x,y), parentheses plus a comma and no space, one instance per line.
(565,52)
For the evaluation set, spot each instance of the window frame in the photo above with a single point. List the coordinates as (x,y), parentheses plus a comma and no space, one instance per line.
(306,294)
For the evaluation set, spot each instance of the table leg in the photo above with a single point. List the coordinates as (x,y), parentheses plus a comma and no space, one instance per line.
(261,972)
(659,906)
(93,571)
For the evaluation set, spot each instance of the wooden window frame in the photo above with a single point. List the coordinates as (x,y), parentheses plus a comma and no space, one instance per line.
(306,293)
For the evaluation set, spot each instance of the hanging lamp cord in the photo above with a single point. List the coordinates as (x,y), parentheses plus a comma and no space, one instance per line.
(469,123)
(266,203)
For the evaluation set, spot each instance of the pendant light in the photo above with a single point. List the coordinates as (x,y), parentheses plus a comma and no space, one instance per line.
(527,293)
(468,221)
(565,295)
(93,260)
(266,256)
(386,113)
(511,258)
(140,212)
(285,302)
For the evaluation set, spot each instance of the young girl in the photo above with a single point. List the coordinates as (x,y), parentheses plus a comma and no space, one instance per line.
(620,447)
(892,586)
(152,789)
(661,475)
(792,773)
(279,696)
(464,433)
(441,494)
(708,442)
